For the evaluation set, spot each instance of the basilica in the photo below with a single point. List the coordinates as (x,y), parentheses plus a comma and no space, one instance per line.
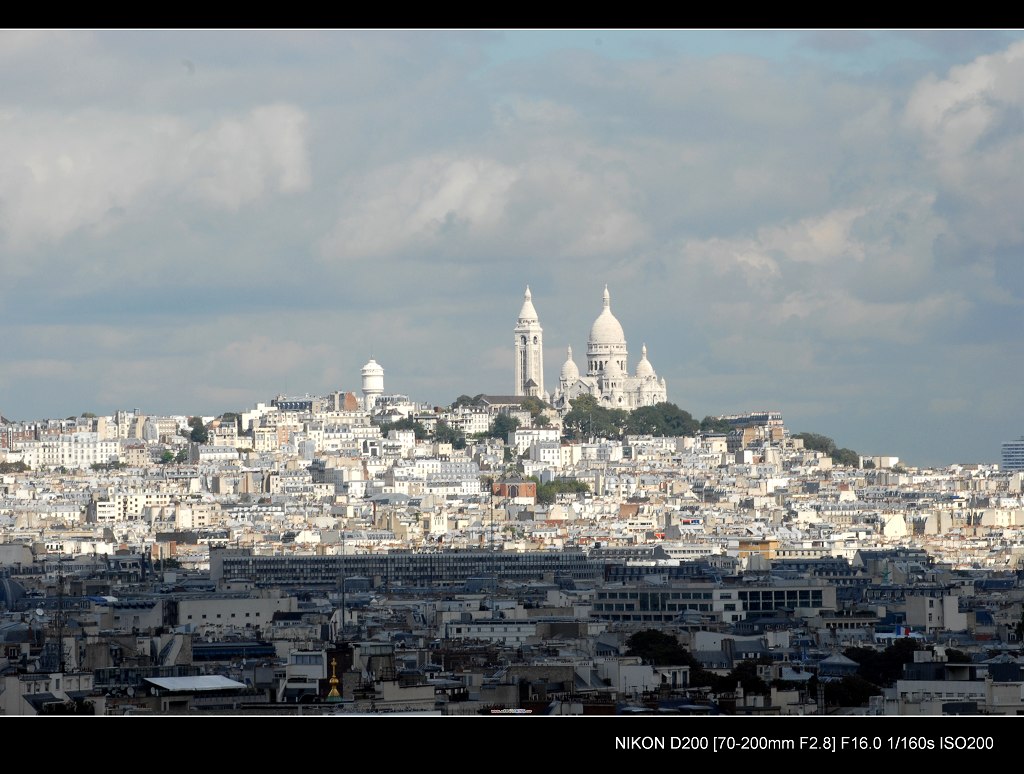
(607,377)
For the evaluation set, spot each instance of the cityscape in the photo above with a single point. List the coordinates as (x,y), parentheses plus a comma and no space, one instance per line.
(366,553)
(463,373)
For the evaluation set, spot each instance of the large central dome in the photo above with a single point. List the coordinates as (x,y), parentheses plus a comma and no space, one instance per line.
(606,329)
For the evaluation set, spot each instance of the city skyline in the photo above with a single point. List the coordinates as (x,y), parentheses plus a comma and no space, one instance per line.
(823,223)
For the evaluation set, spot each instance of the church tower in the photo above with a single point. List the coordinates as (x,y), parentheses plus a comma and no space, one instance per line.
(529,341)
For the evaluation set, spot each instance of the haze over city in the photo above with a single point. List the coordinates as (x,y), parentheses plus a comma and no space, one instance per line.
(824,223)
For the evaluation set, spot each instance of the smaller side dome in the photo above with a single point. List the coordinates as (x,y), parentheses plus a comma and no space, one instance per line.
(644,369)
(570,373)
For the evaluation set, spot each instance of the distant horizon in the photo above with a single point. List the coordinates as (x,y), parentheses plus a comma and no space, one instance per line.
(302,393)
(822,222)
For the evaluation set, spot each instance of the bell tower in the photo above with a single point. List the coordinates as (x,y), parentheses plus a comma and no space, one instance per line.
(529,349)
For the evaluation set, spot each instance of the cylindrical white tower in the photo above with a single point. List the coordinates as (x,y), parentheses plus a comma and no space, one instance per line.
(373,383)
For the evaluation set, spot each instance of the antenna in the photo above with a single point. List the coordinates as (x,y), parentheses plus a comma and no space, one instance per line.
(59,618)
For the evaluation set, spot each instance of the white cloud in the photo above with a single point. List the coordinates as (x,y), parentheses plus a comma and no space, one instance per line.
(240,159)
(954,113)
(973,137)
(458,203)
(850,273)
(88,169)
(820,240)
(402,205)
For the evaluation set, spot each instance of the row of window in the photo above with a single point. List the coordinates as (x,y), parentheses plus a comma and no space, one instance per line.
(619,606)
(803,595)
(661,594)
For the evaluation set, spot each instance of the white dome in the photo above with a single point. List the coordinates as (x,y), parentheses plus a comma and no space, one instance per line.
(644,369)
(373,368)
(570,373)
(606,329)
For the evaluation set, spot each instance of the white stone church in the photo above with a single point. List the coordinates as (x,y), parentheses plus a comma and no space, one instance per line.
(607,377)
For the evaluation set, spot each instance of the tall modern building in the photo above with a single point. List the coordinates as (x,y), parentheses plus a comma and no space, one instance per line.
(529,344)
(1013,455)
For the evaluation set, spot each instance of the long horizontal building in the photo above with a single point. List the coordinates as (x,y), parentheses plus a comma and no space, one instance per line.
(647,604)
(402,568)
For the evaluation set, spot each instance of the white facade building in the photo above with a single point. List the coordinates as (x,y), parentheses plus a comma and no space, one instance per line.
(607,377)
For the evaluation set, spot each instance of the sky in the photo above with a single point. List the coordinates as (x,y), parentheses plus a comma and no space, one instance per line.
(827,223)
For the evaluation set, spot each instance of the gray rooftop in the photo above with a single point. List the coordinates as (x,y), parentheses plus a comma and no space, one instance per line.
(196,683)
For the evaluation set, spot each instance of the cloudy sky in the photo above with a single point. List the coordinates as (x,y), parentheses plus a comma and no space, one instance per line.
(828,223)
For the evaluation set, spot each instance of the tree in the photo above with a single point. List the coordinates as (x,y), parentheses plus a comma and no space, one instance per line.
(955,656)
(406,423)
(502,425)
(69,707)
(465,400)
(166,457)
(199,432)
(850,691)
(883,669)
(745,673)
(547,493)
(710,424)
(815,442)
(534,405)
(661,649)
(181,456)
(847,457)
(825,445)
(658,648)
(661,419)
(587,418)
(445,433)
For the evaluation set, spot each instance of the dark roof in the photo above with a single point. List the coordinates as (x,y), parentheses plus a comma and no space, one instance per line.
(37,700)
(503,400)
